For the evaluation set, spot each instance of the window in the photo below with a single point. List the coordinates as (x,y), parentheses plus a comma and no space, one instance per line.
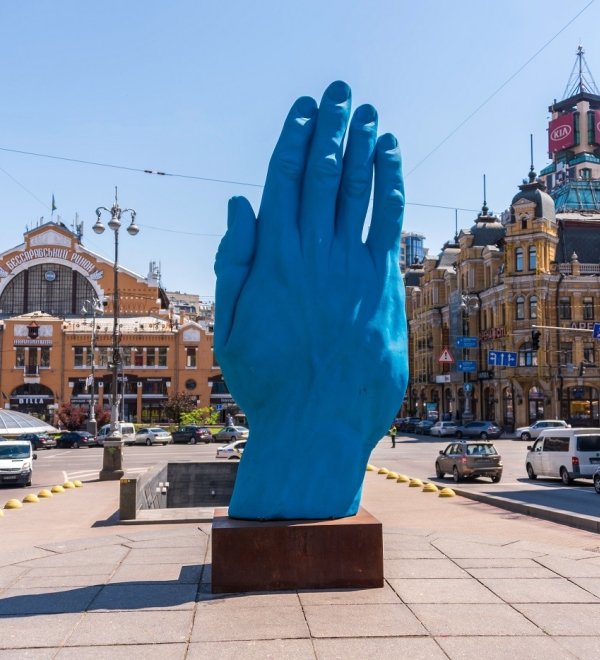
(138,357)
(519,260)
(151,357)
(103,357)
(527,356)
(78,356)
(190,357)
(564,308)
(45,356)
(520,308)
(566,353)
(20,357)
(162,356)
(589,354)
(88,357)
(532,256)
(126,356)
(585,173)
(588,309)
(533,301)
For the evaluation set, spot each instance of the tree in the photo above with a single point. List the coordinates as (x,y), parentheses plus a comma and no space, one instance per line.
(200,416)
(71,417)
(178,404)
(102,415)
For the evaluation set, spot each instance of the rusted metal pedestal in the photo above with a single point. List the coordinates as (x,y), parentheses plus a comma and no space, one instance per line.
(249,555)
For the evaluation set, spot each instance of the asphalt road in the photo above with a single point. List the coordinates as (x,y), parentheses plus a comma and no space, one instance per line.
(413,455)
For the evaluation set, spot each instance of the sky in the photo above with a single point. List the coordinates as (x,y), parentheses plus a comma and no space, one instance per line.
(200,89)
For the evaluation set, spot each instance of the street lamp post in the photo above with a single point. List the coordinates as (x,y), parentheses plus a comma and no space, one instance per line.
(112,463)
(93,307)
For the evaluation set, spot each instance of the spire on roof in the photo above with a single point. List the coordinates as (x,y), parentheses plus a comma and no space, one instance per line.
(581,79)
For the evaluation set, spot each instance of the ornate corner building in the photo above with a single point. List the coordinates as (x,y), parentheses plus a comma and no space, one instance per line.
(48,346)
(501,321)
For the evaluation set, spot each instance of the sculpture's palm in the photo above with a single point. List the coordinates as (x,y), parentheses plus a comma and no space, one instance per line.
(310,329)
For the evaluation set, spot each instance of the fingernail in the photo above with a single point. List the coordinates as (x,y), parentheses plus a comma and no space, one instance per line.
(305,107)
(365,114)
(338,92)
(387,142)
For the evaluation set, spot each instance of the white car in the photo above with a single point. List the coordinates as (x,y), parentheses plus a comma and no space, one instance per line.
(443,428)
(232,451)
(153,436)
(533,431)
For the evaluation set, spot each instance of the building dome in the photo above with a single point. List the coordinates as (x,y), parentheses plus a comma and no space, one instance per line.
(487,230)
(13,423)
(534,191)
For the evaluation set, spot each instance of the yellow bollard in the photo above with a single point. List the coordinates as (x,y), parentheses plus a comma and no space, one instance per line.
(30,499)
(447,492)
(392,475)
(415,483)
(13,504)
(57,489)
(68,484)
(78,484)
(44,493)
(383,471)
(402,479)
(430,488)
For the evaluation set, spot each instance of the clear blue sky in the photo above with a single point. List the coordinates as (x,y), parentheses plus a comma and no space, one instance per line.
(201,88)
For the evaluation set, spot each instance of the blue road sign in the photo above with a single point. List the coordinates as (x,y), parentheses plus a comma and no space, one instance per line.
(466,365)
(467,342)
(596,330)
(502,359)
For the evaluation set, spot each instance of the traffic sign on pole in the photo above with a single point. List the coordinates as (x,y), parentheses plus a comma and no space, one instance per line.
(502,359)
(596,331)
(446,356)
(466,365)
(466,342)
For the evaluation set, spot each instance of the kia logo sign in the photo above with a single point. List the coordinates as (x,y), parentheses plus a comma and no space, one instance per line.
(560,132)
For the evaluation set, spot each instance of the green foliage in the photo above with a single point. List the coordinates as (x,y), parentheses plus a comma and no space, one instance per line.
(201,416)
(178,404)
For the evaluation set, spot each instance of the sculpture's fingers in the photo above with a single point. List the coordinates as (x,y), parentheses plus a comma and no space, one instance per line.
(383,240)
(280,202)
(324,170)
(357,177)
(232,265)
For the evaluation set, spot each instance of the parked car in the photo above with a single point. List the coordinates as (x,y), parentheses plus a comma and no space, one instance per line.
(478,429)
(533,431)
(408,424)
(442,429)
(465,459)
(232,451)
(126,429)
(76,439)
(39,440)
(597,481)
(424,426)
(565,453)
(152,436)
(231,433)
(192,433)
(16,462)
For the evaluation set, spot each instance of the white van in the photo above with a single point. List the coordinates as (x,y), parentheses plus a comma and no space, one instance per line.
(16,462)
(126,429)
(565,453)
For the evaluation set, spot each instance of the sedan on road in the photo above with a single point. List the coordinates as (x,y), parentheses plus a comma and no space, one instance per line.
(76,439)
(441,429)
(232,451)
(39,440)
(481,430)
(469,459)
(232,433)
(533,431)
(152,436)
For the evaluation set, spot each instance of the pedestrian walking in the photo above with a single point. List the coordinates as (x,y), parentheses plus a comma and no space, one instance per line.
(392,433)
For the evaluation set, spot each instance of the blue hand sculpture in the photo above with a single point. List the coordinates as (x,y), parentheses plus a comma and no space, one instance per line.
(310,327)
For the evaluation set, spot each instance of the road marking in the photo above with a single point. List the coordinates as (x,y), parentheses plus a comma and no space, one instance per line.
(89,473)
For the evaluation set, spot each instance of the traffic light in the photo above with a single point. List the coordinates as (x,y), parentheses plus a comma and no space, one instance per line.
(535,339)
(581,369)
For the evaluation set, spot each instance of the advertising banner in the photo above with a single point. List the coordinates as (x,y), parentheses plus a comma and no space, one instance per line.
(561,133)
(596,120)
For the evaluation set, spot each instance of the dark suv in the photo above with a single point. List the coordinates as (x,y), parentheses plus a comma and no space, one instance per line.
(481,430)
(76,439)
(39,440)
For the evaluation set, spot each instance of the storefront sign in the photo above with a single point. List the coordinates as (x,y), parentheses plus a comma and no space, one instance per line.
(31,400)
(492,333)
(579,325)
(32,342)
(52,253)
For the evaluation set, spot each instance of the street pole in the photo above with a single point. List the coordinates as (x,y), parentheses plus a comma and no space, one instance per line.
(93,307)
(112,460)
